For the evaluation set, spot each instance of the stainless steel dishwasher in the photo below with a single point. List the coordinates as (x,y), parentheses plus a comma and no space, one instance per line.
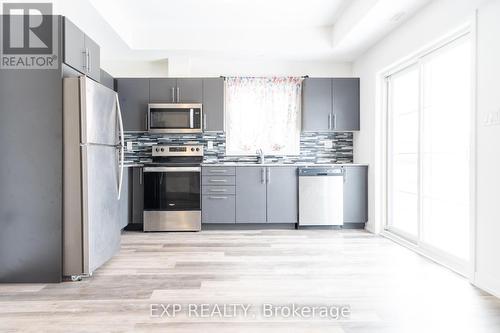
(321,196)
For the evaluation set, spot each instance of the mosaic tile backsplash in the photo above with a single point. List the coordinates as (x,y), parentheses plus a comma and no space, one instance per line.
(312,147)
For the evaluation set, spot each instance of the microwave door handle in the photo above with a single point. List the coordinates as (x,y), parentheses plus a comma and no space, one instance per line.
(191,120)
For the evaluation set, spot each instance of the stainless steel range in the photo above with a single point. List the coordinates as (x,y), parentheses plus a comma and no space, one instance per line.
(172,190)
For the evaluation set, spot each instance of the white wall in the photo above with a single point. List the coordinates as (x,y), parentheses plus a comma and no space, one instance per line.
(214,67)
(135,68)
(432,23)
(265,67)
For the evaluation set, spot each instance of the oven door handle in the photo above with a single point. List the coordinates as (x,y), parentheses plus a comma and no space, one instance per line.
(191,118)
(172,169)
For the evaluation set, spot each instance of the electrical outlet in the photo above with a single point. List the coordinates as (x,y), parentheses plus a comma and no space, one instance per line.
(129,145)
(210,145)
(328,144)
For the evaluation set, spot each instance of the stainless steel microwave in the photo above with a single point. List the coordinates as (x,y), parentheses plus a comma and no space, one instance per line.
(175,118)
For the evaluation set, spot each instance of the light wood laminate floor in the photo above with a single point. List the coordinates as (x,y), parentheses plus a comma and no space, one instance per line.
(387,287)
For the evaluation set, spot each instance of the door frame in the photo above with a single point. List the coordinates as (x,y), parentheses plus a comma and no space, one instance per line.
(449,261)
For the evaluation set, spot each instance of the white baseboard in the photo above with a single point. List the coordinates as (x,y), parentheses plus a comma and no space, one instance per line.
(488,283)
(370,228)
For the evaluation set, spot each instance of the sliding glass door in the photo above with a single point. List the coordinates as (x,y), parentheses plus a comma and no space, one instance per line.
(429,122)
(404,101)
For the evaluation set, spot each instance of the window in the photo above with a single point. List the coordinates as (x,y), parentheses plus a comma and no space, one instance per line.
(263,113)
(429,122)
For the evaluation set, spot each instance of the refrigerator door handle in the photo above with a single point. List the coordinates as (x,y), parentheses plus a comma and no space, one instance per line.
(122,147)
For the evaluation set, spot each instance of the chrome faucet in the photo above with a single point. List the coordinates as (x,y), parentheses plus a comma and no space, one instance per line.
(261,155)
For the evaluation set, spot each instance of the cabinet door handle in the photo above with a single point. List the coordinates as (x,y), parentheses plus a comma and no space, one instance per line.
(90,61)
(217,198)
(329,121)
(178,94)
(334,116)
(204,122)
(218,180)
(218,191)
(173,94)
(218,171)
(84,54)
(141,176)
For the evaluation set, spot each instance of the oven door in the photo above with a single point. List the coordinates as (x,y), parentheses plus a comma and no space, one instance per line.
(174,118)
(172,189)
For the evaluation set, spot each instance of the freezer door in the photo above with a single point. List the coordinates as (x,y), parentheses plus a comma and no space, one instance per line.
(101,225)
(99,117)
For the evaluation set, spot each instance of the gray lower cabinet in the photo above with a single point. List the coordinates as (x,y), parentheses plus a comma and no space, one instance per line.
(134,99)
(213,104)
(282,195)
(251,195)
(125,199)
(137,195)
(218,208)
(345,104)
(355,194)
(218,203)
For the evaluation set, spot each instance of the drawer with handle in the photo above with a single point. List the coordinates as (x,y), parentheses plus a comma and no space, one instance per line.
(218,208)
(216,190)
(218,180)
(222,171)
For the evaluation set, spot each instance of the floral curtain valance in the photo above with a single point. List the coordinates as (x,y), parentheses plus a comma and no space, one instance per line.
(263,113)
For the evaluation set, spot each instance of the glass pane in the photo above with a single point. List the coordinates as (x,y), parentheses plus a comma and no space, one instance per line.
(403,151)
(172,191)
(170,119)
(445,148)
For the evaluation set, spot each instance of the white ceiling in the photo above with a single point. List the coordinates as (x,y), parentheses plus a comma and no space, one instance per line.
(289,30)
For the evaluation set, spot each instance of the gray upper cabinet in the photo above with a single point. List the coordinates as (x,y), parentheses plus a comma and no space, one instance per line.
(80,51)
(213,104)
(355,194)
(345,104)
(134,99)
(250,195)
(189,90)
(330,104)
(74,46)
(162,90)
(94,58)
(172,90)
(107,80)
(316,104)
(282,195)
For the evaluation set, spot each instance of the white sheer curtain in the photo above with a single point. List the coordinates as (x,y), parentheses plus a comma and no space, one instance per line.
(263,113)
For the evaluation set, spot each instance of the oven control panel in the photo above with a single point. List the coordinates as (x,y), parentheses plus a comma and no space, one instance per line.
(184,150)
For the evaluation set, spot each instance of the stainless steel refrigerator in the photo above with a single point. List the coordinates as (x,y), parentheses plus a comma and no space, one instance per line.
(93,174)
